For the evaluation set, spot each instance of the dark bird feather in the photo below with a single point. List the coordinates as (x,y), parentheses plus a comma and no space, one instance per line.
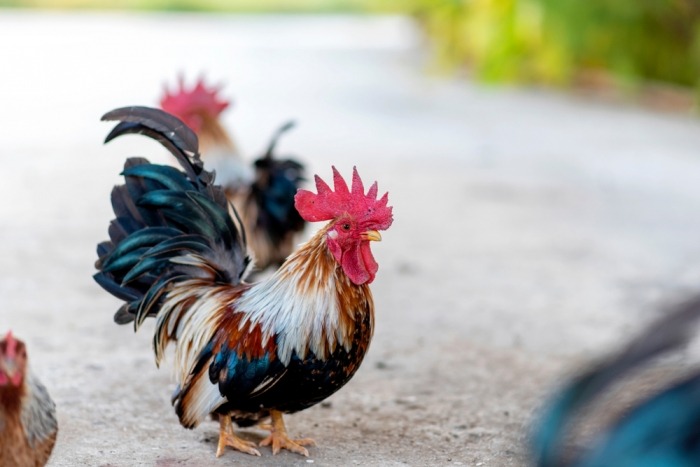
(169,225)
(663,430)
(276,182)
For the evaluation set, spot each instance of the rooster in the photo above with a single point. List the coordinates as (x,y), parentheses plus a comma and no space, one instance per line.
(28,424)
(246,352)
(663,430)
(264,193)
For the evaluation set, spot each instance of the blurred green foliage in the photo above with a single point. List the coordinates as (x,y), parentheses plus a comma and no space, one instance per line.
(556,41)
(248,6)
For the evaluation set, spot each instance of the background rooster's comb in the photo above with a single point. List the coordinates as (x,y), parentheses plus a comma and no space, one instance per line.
(10,345)
(191,105)
(328,204)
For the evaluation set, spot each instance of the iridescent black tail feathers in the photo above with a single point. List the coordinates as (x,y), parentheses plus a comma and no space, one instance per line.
(169,226)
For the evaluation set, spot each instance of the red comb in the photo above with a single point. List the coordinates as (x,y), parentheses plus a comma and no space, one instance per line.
(329,204)
(10,345)
(191,105)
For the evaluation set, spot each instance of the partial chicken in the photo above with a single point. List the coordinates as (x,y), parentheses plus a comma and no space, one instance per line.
(263,193)
(661,430)
(244,351)
(28,424)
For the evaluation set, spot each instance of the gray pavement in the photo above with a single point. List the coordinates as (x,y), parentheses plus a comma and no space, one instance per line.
(533,230)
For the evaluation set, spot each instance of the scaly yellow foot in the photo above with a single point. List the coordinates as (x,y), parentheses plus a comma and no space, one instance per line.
(279,439)
(228,438)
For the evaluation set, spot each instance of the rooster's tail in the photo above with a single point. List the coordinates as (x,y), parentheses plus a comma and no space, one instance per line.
(276,183)
(170,226)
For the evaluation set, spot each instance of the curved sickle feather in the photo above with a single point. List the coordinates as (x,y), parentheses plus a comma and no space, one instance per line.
(275,138)
(165,128)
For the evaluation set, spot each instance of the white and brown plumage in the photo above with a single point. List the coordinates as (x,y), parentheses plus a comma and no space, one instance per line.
(28,424)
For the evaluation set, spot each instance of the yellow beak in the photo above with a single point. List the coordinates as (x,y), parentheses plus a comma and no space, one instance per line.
(372,235)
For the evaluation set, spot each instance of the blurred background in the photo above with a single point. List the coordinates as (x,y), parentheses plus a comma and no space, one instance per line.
(612,46)
(542,157)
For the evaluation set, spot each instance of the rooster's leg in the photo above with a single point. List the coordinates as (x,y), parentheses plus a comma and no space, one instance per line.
(228,438)
(280,440)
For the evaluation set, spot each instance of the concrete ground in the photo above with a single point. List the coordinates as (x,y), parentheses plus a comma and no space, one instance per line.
(533,231)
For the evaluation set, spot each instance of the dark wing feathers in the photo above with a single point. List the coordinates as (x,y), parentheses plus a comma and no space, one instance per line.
(238,375)
(169,225)
(650,420)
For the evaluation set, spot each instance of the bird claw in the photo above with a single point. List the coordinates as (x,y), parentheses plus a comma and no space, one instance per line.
(227,439)
(280,441)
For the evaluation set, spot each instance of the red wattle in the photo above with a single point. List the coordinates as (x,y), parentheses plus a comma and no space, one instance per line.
(359,264)
(16,379)
(368,258)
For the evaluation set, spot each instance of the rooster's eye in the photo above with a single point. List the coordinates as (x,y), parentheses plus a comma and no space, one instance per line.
(346,226)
